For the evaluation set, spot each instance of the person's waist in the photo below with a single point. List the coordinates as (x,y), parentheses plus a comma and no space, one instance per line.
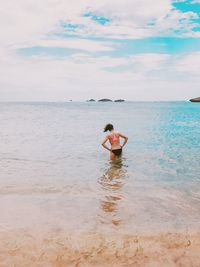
(116,147)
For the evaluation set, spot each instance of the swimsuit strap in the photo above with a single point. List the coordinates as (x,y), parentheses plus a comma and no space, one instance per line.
(114,137)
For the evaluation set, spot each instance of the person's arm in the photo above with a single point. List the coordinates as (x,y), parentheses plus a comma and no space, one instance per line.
(104,143)
(125,139)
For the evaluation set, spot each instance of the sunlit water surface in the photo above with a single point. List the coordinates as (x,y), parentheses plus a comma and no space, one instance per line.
(54,172)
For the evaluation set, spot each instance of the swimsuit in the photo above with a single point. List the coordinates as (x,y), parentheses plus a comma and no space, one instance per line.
(117,152)
(114,138)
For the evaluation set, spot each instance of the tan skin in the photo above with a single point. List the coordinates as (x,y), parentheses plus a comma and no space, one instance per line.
(114,144)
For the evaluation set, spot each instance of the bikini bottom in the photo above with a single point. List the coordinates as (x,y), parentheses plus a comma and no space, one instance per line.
(117,152)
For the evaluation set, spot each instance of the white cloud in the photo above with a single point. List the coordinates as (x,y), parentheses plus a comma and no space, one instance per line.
(80,76)
(28,23)
(80,44)
(189,64)
(136,19)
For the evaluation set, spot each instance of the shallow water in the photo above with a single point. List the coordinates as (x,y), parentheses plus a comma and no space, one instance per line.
(54,173)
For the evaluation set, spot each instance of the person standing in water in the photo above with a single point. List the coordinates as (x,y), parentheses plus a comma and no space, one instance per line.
(114,139)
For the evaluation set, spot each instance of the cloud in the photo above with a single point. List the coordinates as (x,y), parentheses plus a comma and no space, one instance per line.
(189,64)
(29,21)
(94,68)
(133,19)
(79,44)
(80,76)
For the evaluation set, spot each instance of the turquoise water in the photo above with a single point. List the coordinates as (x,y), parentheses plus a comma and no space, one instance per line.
(54,172)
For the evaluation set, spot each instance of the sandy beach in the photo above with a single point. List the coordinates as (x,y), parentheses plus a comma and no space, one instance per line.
(58,248)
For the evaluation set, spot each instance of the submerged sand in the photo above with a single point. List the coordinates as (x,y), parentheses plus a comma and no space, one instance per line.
(57,248)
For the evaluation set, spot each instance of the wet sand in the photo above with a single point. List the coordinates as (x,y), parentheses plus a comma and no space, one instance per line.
(57,248)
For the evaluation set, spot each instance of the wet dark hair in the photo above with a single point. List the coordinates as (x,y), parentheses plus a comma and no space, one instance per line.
(108,127)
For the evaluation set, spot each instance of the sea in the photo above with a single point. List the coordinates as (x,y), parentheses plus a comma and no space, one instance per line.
(54,173)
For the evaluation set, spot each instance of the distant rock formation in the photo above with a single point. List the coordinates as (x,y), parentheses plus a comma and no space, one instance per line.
(91,100)
(104,100)
(119,100)
(195,99)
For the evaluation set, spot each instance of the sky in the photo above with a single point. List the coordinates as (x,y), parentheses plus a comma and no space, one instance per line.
(140,50)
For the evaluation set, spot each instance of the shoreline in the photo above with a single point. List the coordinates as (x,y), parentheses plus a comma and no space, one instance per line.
(58,248)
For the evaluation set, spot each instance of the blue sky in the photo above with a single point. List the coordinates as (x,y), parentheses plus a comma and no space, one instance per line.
(134,49)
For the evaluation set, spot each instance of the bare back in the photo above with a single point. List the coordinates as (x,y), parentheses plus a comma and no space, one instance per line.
(114,139)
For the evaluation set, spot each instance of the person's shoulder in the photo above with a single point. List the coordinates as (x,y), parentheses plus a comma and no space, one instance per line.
(110,135)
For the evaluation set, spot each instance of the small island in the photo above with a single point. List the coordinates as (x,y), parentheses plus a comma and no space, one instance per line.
(91,100)
(105,100)
(195,99)
(119,100)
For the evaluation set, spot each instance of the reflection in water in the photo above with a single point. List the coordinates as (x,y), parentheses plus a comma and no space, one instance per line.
(112,182)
